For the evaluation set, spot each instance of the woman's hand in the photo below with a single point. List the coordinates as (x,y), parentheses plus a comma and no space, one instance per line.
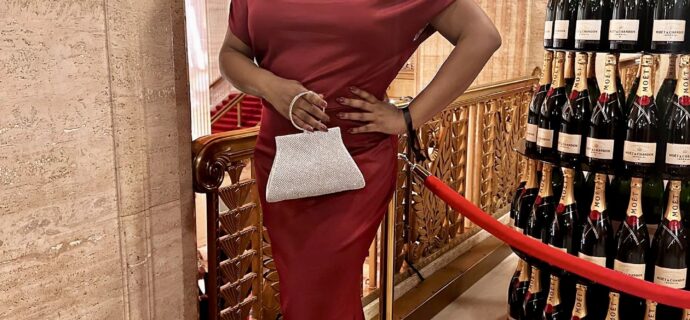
(380,116)
(308,110)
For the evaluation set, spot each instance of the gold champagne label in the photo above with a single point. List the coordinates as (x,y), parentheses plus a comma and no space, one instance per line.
(650,311)
(569,65)
(580,72)
(610,73)
(683,85)
(614,302)
(646,87)
(547,68)
(524,271)
(558,81)
(554,297)
(531,174)
(673,206)
(580,307)
(545,186)
(591,65)
(535,282)
(599,200)
(567,196)
(635,203)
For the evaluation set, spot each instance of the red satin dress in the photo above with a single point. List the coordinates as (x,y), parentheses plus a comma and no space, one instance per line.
(319,244)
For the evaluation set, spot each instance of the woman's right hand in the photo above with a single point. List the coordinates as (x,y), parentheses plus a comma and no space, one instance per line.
(307,111)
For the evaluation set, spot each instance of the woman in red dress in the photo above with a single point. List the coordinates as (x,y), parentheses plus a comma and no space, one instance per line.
(347,52)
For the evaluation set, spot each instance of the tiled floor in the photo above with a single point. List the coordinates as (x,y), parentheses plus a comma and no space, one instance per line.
(486,299)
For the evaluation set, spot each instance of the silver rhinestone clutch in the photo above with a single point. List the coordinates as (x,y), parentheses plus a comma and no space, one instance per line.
(311,164)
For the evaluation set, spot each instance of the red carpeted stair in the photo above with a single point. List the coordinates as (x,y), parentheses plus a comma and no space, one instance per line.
(251,114)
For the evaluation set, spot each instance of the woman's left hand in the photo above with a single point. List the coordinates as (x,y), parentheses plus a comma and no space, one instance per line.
(380,116)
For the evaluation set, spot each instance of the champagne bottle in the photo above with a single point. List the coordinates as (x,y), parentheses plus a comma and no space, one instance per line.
(555,310)
(592,83)
(640,147)
(628,25)
(564,25)
(515,204)
(535,299)
(650,310)
(549,23)
(597,245)
(564,234)
(676,140)
(569,72)
(536,103)
(686,314)
(544,207)
(607,126)
(670,251)
(518,287)
(592,30)
(632,250)
(580,305)
(564,228)
(664,96)
(575,118)
(614,312)
(526,201)
(671,27)
(633,91)
(550,113)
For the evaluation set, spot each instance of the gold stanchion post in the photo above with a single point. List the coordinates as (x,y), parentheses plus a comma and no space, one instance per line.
(387,263)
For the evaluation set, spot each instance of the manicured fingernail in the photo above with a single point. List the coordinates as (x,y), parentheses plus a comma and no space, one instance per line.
(353,89)
(340,100)
(310,129)
(341,115)
(324,128)
(324,104)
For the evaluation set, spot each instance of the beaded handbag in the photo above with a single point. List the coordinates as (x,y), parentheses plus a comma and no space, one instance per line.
(310,164)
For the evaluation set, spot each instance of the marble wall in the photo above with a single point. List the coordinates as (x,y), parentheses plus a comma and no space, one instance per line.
(96,212)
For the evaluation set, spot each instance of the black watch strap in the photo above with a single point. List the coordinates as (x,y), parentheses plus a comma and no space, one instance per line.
(412,139)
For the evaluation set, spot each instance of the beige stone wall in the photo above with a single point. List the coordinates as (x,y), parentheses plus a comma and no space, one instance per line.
(95,184)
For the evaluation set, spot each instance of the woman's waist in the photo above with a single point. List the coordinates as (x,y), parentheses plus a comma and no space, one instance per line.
(273,124)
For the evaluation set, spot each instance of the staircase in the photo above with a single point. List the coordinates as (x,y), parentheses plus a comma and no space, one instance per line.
(249,109)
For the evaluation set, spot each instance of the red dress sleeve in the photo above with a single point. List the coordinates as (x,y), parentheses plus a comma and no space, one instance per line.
(420,13)
(238,20)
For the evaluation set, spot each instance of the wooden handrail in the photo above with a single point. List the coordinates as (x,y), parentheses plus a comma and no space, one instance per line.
(227,107)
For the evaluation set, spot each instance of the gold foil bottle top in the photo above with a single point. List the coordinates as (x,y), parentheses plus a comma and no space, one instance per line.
(546,76)
(610,85)
(673,206)
(545,186)
(535,280)
(646,86)
(580,307)
(569,65)
(614,302)
(558,81)
(683,85)
(672,62)
(650,312)
(554,297)
(591,65)
(524,271)
(531,175)
(568,194)
(635,203)
(599,199)
(580,72)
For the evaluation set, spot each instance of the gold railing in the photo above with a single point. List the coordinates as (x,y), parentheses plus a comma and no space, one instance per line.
(468,144)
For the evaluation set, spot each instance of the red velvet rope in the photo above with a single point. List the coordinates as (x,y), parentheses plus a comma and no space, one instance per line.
(610,278)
